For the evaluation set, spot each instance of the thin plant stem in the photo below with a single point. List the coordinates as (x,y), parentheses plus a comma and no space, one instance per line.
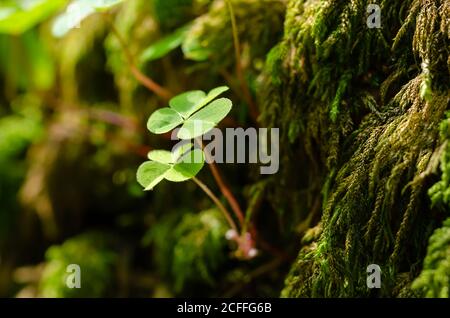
(223,187)
(216,200)
(237,51)
(140,77)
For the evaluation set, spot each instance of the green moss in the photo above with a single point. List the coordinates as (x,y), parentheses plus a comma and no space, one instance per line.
(191,249)
(351,102)
(434,280)
(259,25)
(96,260)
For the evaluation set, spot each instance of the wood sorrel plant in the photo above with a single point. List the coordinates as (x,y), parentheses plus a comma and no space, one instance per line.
(197,113)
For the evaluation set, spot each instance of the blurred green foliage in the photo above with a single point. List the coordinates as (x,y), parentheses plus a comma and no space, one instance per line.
(190,249)
(96,260)
(18,131)
(434,280)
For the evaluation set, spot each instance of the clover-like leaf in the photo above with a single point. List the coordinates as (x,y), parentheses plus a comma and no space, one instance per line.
(186,102)
(164,120)
(150,173)
(189,102)
(180,150)
(205,119)
(161,156)
(215,92)
(187,167)
(167,157)
(186,109)
(176,166)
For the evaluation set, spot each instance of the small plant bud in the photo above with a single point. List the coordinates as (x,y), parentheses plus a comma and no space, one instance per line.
(231,235)
(252,252)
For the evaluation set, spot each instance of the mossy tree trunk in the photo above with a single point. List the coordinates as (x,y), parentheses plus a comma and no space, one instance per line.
(360,109)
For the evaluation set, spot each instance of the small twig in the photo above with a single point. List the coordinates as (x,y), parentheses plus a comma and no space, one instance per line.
(216,200)
(141,77)
(237,51)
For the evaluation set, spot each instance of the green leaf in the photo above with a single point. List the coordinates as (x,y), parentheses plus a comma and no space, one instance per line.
(211,95)
(161,156)
(189,102)
(163,120)
(194,128)
(186,102)
(194,51)
(17,18)
(205,119)
(166,165)
(151,173)
(188,166)
(164,46)
(180,150)
(101,5)
(77,11)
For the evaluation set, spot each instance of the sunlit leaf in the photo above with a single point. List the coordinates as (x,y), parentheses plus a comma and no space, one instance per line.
(211,95)
(162,156)
(104,4)
(189,102)
(205,119)
(151,173)
(163,120)
(77,11)
(187,167)
(164,46)
(24,15)
(181,150)
(186,102)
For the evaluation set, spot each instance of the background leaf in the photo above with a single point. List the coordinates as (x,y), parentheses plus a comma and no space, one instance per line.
(77,11)
(24,15)
(164,46)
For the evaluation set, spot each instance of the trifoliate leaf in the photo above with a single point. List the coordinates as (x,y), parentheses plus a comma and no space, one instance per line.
(162,156)
(163,120)
(205,119)
(187,167)
(180,150)
(166,165)
(211,95)
(151,173)
(186,102)
(189,102)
